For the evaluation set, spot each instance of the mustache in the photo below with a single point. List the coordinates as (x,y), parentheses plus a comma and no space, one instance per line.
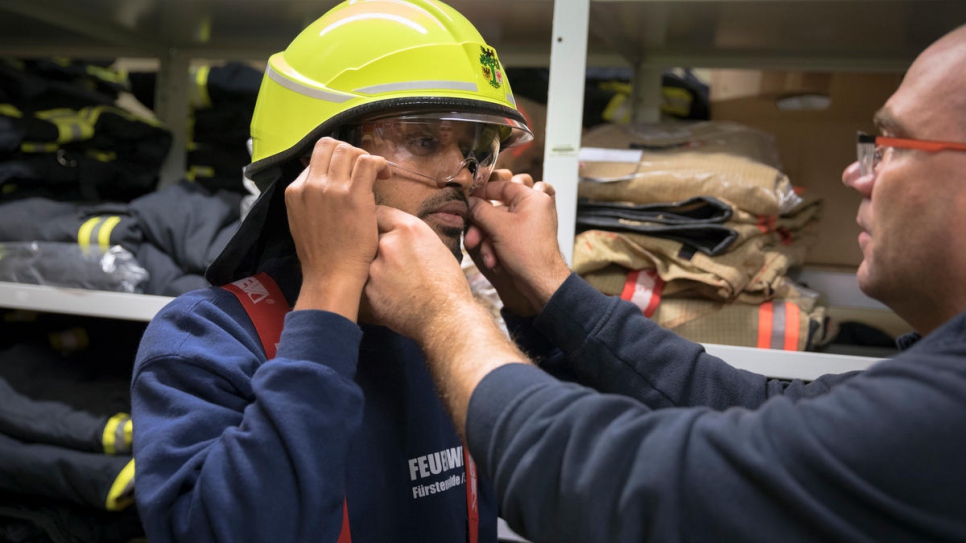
(433,203)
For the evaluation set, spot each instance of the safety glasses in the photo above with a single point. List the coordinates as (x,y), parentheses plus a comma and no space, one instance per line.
(432,149)
(872,148)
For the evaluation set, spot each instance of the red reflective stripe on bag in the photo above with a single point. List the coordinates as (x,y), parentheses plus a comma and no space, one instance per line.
(778,326)
(643,288)
(472,498)
(765,313)
(266,307)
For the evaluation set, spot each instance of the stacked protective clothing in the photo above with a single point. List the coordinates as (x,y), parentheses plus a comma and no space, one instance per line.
(93,453)
(174,233)
(61,136)
(66,469)
(222,112)
(59,82)
(697,225)
(222,101)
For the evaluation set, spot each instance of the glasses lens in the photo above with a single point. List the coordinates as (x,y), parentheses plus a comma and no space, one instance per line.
(436,149)
(866,154)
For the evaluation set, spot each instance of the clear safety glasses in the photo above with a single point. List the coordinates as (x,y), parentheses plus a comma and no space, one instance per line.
(432,149)
(871,149)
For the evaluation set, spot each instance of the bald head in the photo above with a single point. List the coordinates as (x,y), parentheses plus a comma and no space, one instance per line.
(938,77)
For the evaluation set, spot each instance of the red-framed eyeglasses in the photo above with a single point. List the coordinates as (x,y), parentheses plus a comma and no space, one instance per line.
(870,149)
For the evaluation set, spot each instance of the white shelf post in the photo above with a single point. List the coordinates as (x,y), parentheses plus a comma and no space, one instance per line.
(565,106)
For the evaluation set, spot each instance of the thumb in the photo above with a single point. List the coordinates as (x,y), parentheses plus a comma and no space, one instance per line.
(483,214)
(390,218)
(473,237)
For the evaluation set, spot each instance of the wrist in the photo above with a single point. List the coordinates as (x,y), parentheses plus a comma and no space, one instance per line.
(461,349)
(337,294)
(545,285)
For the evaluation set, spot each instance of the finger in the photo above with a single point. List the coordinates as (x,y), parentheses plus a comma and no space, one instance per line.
(523,179)
(298,180)
(478,211)
(507,193)
(342,162)
(367,169)
(500,175)
(487,217)
(487,255)
(546,188)
(473,237)
(384,171)
(322,155)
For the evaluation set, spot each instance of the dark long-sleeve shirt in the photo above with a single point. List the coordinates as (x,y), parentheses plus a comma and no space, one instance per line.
(231,446)
(875,456)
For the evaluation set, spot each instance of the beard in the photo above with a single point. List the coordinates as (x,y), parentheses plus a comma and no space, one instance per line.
(451,239)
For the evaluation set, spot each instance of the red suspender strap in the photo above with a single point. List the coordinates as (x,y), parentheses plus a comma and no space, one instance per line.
(266,307)
(344,536)
(472,498)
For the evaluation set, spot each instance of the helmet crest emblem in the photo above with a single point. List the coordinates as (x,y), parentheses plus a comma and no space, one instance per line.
(491,67)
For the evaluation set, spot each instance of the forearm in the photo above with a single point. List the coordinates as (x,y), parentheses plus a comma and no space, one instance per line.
(461,349)
(612,347)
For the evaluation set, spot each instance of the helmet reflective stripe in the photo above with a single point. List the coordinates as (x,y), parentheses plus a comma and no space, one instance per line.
(303,89)
(512,100)
(370,16)
(419,85)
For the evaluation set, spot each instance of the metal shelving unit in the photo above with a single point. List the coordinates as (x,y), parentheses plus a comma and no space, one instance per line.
(566,35)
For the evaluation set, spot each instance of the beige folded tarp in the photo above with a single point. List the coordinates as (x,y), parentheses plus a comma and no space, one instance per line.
(645,175)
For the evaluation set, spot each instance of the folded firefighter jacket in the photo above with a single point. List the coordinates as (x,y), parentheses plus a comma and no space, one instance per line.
(55,83)
(752,267)
(696,222)
(174,233)
(96,153)
(51,448)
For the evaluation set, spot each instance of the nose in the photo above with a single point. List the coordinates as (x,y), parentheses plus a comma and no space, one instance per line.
(852,177)
(464,180)
(461,178)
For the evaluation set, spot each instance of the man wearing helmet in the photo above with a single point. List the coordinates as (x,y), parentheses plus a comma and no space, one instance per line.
(324,429)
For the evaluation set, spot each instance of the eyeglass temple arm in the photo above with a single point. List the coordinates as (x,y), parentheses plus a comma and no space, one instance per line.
(905,143)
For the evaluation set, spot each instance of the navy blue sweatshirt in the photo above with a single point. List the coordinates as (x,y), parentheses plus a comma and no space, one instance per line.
(868,457)
(230,446)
